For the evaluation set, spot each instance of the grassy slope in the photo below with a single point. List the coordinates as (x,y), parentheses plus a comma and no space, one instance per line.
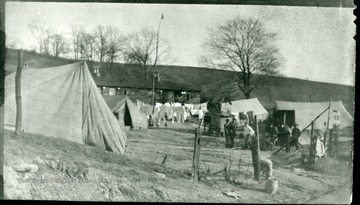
(111,176)
(132,177)
(268,89)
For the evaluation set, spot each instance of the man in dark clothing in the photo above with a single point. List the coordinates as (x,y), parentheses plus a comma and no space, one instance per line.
(232,132)
(226,132)
(295,134)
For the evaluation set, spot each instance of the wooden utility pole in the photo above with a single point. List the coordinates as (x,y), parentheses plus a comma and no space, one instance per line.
(335,148)
(255,149)
(329,150)
(18,93)
(196,156)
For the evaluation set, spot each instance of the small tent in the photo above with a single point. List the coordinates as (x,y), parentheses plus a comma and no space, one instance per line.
(303,113)
(64,102)
(242,106)
(220,111)
(127,112)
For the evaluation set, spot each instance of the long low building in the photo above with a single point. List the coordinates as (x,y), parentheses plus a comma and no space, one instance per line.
(166,90)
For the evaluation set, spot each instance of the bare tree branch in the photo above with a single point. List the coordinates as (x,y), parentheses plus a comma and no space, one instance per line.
(141,49)
(243,46)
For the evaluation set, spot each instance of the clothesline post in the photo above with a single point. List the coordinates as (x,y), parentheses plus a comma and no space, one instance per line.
(255,149)
(196,155)
(18,93)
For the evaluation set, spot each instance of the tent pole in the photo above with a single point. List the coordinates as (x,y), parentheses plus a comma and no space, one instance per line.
(327,129)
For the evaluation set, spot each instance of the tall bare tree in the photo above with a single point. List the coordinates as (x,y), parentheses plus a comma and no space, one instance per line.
(87,46)
(141,50)
(243,46)
(76,34)
(58,44)
(115,45)
(38,30)
(101,43)
(47,41)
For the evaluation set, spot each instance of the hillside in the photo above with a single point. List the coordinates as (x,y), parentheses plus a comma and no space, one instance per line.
(71,171)
(267,88)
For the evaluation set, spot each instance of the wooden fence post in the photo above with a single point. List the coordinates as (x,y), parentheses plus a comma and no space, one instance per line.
(18,93)
(312,153)
(196,156)
(255,149)
(330,144)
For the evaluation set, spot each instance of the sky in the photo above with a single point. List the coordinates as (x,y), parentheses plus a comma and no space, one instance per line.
(316,43)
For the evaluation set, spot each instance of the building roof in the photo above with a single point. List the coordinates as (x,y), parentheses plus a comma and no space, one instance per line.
(130,76)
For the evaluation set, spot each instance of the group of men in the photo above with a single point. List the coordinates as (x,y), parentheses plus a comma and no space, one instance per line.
(230,133)
(285,135)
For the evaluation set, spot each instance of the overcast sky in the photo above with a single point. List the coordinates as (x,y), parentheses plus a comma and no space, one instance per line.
(316,43)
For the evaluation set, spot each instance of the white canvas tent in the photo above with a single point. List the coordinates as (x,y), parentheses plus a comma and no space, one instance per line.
(241,106)
(64,102)
(128,113)
(306,112)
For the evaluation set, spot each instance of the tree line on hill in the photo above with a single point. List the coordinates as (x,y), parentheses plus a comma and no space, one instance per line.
(106,44)
(244,46)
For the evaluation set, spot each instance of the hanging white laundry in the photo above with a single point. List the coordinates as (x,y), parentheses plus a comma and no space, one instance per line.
(185,116)
(173,114)
(162,112)
(320,149)
(201,114)
(190,106)
(204,107)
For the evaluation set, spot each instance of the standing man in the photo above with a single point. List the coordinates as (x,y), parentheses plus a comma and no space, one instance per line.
(232,132)
(287,136)
(273,133)
(295,134)
(226,133)
(248,132)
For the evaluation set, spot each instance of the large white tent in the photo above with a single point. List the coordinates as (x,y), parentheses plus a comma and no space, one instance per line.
(306,112)
(64,102)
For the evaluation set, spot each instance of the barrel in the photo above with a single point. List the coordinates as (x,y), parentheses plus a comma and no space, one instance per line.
(271,186)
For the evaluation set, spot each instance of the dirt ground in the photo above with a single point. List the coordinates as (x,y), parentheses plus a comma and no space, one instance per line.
(70,171)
